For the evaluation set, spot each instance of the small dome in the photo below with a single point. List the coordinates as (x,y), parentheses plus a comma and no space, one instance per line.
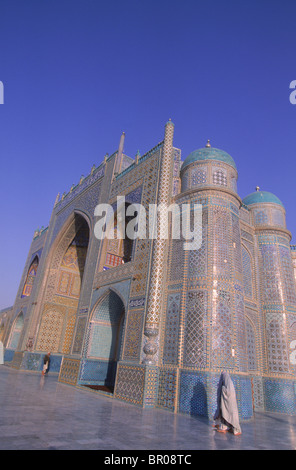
(261,196)
(209,153)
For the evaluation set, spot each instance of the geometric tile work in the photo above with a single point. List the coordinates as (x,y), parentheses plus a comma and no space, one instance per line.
(32,361)
(69,371)
(222,330)
(276,343)
(193,393)
(167,389)
(240,326)
(280,396)
(236,245)
(198,176)
(220,177)
(68,334)
(271,272)
(198,260)
(133,336)
(258,393)
(252,353)
(17,360)
(171,344)
(151,385)
(80,329)
(221,254)
(244,398)
(130,383)
(247,273)
(50,330)
(261,217)
(195,330)
(176,260)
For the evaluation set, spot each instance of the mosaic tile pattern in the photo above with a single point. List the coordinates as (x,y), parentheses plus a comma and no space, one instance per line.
(79,336)
(151,386)
(193,398)
(167,389)
(247,273)
(195,330)
(280,396)
(171,344)
(130,384)
(252,352)
(133,341)
(258,393)
(69,371)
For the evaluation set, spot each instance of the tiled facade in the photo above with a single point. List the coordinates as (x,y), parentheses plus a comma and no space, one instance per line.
(146,321)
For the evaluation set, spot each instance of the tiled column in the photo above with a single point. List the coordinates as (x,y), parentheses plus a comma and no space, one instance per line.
(151,330)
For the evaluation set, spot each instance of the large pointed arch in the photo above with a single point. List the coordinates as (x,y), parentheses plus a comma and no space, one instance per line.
(65,270)
(30,278)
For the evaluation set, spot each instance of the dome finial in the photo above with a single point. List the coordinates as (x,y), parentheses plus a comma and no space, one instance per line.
(208,143)
(257,188)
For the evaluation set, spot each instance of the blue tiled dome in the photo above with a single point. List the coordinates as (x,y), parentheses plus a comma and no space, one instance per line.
(261,196)
(209,153)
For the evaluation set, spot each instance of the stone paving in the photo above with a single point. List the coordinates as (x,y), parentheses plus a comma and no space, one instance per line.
(40,413)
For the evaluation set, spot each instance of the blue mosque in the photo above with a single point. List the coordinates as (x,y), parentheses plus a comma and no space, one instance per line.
(145,321)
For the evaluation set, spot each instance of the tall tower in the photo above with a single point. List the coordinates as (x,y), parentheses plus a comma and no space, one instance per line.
(277,298)
(212,322)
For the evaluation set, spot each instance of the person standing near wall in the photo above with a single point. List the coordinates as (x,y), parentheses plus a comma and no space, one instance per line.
(46,362)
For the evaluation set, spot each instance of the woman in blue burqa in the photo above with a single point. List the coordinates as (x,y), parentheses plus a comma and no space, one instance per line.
(226,415)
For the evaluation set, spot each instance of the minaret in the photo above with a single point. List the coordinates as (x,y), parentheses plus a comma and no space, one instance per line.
(119,157)
(151,330)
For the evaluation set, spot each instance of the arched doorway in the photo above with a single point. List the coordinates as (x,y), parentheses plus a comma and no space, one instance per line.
(17,330)
(63,289)
(103,344)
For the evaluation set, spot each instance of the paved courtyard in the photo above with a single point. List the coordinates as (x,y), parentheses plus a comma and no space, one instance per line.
(39,413)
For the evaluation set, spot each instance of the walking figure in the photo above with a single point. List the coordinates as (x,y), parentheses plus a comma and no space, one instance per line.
(226,415)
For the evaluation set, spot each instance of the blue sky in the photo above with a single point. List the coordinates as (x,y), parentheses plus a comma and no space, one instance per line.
(77,73)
